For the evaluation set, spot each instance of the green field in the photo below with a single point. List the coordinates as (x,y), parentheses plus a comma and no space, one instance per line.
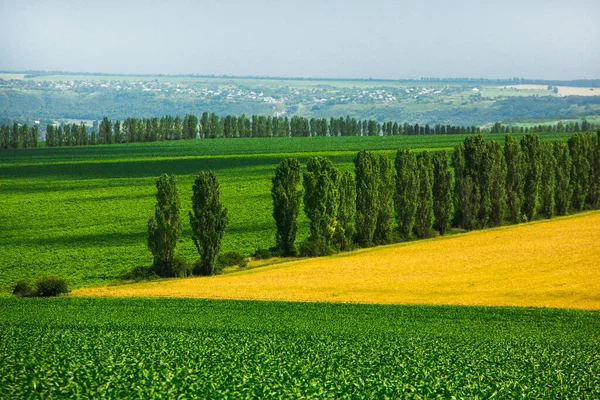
(126,348)
(81,213)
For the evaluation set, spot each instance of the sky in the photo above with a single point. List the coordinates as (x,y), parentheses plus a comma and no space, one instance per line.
(322,39)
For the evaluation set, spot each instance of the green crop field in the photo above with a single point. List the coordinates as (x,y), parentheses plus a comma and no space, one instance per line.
(126,348)
(82,213)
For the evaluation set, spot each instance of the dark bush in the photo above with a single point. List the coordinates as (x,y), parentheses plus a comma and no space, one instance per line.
(180,268)
(314,249)
(140,273)
(261,254)
(22,289)
(230,259)
(49,286)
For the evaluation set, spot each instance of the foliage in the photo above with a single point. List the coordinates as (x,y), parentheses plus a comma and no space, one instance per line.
(514,178)
(580,170)
(164,228)
(531,147)
(424,212)
(118,348)
(498,175)
(384,201)
(50,286)
(563,188)
(442,192)
(208,219)
(321,202)
(479,174)
(262,253)
(547,181)
(405,196)
(367,173)
(22,289)
(140,273)
(286,204)
(344,230)
(230,259)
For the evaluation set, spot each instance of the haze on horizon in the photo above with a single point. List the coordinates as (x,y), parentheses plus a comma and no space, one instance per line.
(329,39)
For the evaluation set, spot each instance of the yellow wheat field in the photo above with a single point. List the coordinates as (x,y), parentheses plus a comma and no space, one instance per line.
(553,263)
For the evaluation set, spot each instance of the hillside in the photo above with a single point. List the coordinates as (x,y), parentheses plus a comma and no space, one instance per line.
(546,264)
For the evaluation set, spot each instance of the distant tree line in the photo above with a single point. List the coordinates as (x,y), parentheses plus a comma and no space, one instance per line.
(210,126)
(18,136)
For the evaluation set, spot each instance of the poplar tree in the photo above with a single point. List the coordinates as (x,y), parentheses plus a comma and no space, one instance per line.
(344,230)
(424,212)
(286,204)
(321,202)
(442,192)
(461,206)
(190,126)
(547,180)
(385,201)
(164,228)
(580,171)
(497,173)
(367,197)
(531,147)
(208,219)
(405,196)
(477,170)
(562,188)
(593,198)
(514,178)
(104,131)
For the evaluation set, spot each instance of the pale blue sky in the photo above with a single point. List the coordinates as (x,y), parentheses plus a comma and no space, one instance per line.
(355,39)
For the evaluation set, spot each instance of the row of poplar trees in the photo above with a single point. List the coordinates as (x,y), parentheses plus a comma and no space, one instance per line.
(419,193)
(211,126)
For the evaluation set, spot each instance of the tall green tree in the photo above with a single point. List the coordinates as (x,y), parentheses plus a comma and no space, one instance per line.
(580,171)
(531,147)
(367,196)
(424,213)
(190,126)
(497,173)
(208,219)
(442,192)
(286,204)
(105,131)
(547,180)
(477,169)
(562,179)
(593,198)
(405,196)
(461,205)
(385,201)
(164,228)
(514,178)
(321,202)
(344,230)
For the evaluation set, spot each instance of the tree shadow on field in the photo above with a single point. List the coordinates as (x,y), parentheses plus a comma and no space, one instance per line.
(109,239)
(242,165)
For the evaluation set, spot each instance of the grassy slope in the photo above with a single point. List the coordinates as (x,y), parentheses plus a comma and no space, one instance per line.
(546,263)
(82,212)
(126,348)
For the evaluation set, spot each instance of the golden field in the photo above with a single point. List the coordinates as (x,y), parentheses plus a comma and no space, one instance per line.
(552,263)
